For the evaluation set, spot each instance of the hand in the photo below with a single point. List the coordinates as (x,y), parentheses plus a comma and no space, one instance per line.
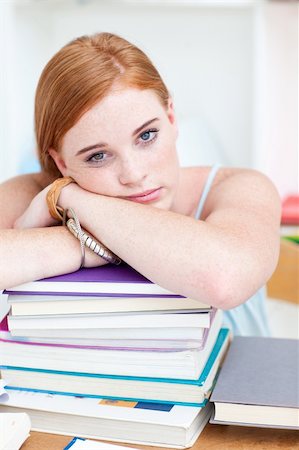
(37,214)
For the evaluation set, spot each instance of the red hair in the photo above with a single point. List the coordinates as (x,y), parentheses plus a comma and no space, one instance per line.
(80,75)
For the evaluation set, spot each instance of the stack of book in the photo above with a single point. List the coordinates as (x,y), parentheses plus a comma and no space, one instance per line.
(106,353)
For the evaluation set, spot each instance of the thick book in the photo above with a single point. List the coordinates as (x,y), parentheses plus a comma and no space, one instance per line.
(187,334)
(133,422)
(258,384)
(179,391)
(114,320)
(35,304)
(90,359)
(186,325)
(109,279)
(121,344)
(164,339)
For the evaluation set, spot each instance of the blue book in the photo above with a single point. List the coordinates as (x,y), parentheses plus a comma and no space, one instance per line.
(119,387)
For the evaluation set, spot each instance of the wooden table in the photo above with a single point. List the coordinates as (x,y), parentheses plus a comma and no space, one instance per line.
(214,437)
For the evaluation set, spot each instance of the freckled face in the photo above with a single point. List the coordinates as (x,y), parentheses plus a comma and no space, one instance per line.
(124,147)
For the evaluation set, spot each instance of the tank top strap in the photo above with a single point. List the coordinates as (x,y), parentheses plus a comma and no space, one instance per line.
(206,190)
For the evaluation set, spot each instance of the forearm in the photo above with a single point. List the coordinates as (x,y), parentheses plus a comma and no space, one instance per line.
(189,257)
(35,253)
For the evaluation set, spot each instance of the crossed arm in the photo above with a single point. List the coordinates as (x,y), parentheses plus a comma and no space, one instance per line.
(222,259)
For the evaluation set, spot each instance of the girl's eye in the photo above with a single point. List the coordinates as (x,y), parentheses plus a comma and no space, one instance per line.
(148,136)
(96,157)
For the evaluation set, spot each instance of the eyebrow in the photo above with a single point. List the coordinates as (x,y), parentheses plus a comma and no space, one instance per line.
(102,144)
(144,125)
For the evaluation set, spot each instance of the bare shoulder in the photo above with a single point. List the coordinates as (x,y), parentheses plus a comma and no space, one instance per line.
(191,185)
(244,191)
(17,193)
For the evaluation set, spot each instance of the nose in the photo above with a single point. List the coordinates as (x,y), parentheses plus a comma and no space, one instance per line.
(132,171)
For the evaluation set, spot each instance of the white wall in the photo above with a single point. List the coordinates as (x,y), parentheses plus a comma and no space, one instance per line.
(276,94)
(204,54)
(229,67)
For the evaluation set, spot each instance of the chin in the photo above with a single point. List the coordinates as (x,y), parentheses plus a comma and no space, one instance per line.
(164,204)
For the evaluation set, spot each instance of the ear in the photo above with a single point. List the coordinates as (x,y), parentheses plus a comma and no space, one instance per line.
(171,116)
(58,161)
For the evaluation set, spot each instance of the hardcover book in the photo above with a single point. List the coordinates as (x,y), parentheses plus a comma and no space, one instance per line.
(133,422)
(178,391)
(114,320)
(186,364)
(151,339)
(107,279)
(86,335)
(35,304)
(258,384)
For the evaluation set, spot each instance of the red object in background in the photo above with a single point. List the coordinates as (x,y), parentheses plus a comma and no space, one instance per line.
(290,210)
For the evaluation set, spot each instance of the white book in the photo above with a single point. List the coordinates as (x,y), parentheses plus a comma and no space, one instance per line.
(147,343)
(187,392)
(14,429)
(35,304)
(138,423)
(104,321)
(120,334)
(187,364)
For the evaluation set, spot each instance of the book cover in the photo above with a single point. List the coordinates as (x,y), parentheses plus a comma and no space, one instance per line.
(178,391)
(258,383)
(107,279)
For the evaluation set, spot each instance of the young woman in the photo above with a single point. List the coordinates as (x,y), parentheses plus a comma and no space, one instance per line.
(104,117)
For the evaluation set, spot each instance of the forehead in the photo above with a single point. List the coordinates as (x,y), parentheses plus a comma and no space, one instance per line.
(127,108)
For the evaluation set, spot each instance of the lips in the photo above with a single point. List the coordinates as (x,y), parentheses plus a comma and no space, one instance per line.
(146,196)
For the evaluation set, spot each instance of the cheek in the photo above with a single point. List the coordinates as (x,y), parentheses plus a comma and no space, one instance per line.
(169,159)
(96,181)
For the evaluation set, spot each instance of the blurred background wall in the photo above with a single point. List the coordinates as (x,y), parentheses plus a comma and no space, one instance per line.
(231,66)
